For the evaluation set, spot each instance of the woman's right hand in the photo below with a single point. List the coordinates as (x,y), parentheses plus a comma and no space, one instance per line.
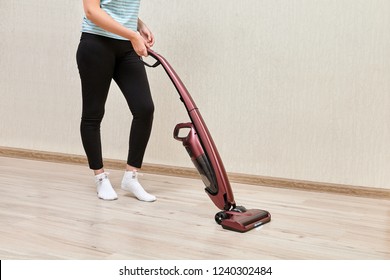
(139,44)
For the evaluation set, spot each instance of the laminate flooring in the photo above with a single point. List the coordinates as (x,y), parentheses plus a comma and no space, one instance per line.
(51,211)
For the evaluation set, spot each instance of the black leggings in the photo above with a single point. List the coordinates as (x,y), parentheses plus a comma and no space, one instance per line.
(101,59)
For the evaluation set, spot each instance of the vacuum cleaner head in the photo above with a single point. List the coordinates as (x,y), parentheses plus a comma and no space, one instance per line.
(241,220)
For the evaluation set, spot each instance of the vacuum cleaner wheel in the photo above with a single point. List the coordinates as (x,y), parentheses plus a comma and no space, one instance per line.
(220,216)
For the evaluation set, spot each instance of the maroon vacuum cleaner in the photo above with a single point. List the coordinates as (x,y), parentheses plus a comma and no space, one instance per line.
(204,155)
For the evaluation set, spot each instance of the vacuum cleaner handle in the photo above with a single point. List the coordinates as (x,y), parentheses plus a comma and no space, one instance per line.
(152,54)
(177,129)
(190,140)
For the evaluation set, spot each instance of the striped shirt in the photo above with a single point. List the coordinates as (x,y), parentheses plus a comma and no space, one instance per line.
(123,11)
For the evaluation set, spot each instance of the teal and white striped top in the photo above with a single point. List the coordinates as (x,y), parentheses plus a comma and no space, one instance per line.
(123,11)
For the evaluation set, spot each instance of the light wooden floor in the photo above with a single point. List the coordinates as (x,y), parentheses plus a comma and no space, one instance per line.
(50,211)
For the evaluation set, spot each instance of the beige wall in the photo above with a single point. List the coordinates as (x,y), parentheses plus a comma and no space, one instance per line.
(289,88)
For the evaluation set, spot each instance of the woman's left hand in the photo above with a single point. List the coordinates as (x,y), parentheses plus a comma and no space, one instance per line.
(146,34)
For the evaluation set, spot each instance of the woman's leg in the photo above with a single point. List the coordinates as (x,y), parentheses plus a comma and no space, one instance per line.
(96,65)
(130,75)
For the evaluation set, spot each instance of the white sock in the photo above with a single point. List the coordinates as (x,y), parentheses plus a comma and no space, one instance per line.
(104,188)
(130,183)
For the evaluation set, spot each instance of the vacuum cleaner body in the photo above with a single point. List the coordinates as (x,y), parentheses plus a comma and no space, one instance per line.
(201,148)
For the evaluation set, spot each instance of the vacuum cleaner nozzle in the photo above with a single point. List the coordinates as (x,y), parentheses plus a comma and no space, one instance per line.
(242,220)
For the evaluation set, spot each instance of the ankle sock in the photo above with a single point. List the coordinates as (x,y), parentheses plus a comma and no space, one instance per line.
(104,188)
(131,184)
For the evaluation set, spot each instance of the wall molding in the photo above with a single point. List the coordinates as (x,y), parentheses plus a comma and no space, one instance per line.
(284,183)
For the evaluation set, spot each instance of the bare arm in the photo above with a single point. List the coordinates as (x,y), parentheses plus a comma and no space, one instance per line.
(95,14)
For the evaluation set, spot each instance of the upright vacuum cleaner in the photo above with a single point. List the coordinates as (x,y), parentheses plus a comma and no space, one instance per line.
(204,155)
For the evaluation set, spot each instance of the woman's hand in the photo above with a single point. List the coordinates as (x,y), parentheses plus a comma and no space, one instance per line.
(142,40)
(139,45)
(146,33)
